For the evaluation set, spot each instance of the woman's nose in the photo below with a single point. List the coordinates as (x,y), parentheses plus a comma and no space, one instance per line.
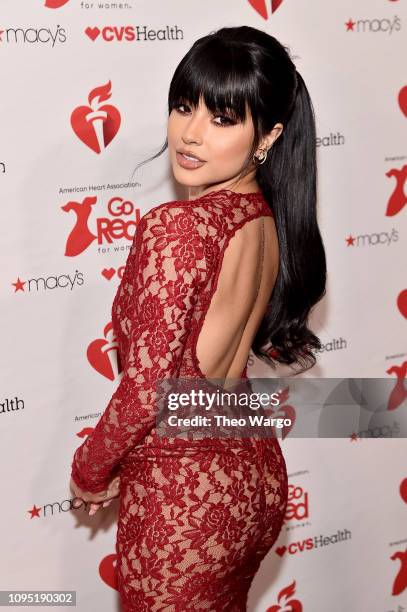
(193,131)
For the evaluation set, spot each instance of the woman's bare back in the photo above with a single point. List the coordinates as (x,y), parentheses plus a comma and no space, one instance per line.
(245,282)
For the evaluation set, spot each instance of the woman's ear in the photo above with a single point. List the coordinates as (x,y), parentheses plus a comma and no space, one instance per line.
(272,135)
(268,140)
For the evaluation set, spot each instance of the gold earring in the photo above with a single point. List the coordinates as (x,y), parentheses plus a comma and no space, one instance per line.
(261,160)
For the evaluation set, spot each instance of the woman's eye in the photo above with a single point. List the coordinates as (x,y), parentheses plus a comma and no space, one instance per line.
(228,120)
(184,108)
(178,106)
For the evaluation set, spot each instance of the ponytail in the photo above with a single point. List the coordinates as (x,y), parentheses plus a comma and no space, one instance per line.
(288,180)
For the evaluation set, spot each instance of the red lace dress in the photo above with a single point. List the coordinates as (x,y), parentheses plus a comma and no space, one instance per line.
(195,519)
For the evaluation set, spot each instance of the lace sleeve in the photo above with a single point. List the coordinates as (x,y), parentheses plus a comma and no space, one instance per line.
(168,270)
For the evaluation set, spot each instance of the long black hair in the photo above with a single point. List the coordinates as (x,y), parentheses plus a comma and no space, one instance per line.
(238,66)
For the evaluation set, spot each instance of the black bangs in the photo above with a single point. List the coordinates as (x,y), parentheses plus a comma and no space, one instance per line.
(215,70)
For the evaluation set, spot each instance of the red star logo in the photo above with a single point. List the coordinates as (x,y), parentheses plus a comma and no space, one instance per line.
(19,285)
(350,25)
(350,240)
(34,512)
(354,437)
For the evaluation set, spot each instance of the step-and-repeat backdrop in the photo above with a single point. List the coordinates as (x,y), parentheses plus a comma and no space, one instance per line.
(83,100)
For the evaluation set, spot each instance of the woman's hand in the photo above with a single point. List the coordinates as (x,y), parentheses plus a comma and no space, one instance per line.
(102,498)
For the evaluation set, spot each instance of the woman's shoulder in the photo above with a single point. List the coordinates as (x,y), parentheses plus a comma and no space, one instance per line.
(172,219)
(212,199)
(168,206)
(217,208)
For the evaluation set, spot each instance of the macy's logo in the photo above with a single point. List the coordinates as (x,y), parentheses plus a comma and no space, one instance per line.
(261,6)
(33,35)
(96,125)
(123,216)
(372,239)
(373,25)
(48,283)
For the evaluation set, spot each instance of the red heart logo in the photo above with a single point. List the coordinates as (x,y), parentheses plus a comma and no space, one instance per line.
(261,6)
(281,550)
(107,570)
(85,130)
(403,99)
(108,273)
(98,357)
(93,33)
(402,302)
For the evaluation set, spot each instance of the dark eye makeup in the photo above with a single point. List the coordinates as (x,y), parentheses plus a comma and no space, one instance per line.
(229,119)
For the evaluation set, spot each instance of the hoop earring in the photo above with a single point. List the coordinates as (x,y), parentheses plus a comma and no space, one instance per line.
(261,160)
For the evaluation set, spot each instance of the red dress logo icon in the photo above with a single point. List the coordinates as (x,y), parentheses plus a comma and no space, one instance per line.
(398,198)
(400,581)
(399,392)
(80,237)
(96,125)
(55,3)
(261,6)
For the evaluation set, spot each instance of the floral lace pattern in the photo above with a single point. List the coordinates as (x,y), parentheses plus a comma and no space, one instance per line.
(195,518)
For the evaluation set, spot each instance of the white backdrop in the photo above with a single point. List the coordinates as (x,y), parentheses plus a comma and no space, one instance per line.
(69,209)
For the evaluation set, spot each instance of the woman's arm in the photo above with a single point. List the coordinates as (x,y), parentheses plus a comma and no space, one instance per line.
(169,267)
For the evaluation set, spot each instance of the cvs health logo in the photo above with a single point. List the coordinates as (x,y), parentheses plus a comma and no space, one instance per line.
(261,6)
(96,125)
(53,4)
(112,33)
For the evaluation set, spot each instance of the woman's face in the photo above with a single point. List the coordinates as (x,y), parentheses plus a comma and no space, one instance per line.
(218,140)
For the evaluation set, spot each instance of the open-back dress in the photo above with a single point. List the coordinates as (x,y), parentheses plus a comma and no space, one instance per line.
(195,518)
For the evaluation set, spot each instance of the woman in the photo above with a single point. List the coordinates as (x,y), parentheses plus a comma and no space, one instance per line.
(237,265)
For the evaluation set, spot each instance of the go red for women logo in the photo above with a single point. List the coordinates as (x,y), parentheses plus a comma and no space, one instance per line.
(53,4)
(261,6)
(96,125)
